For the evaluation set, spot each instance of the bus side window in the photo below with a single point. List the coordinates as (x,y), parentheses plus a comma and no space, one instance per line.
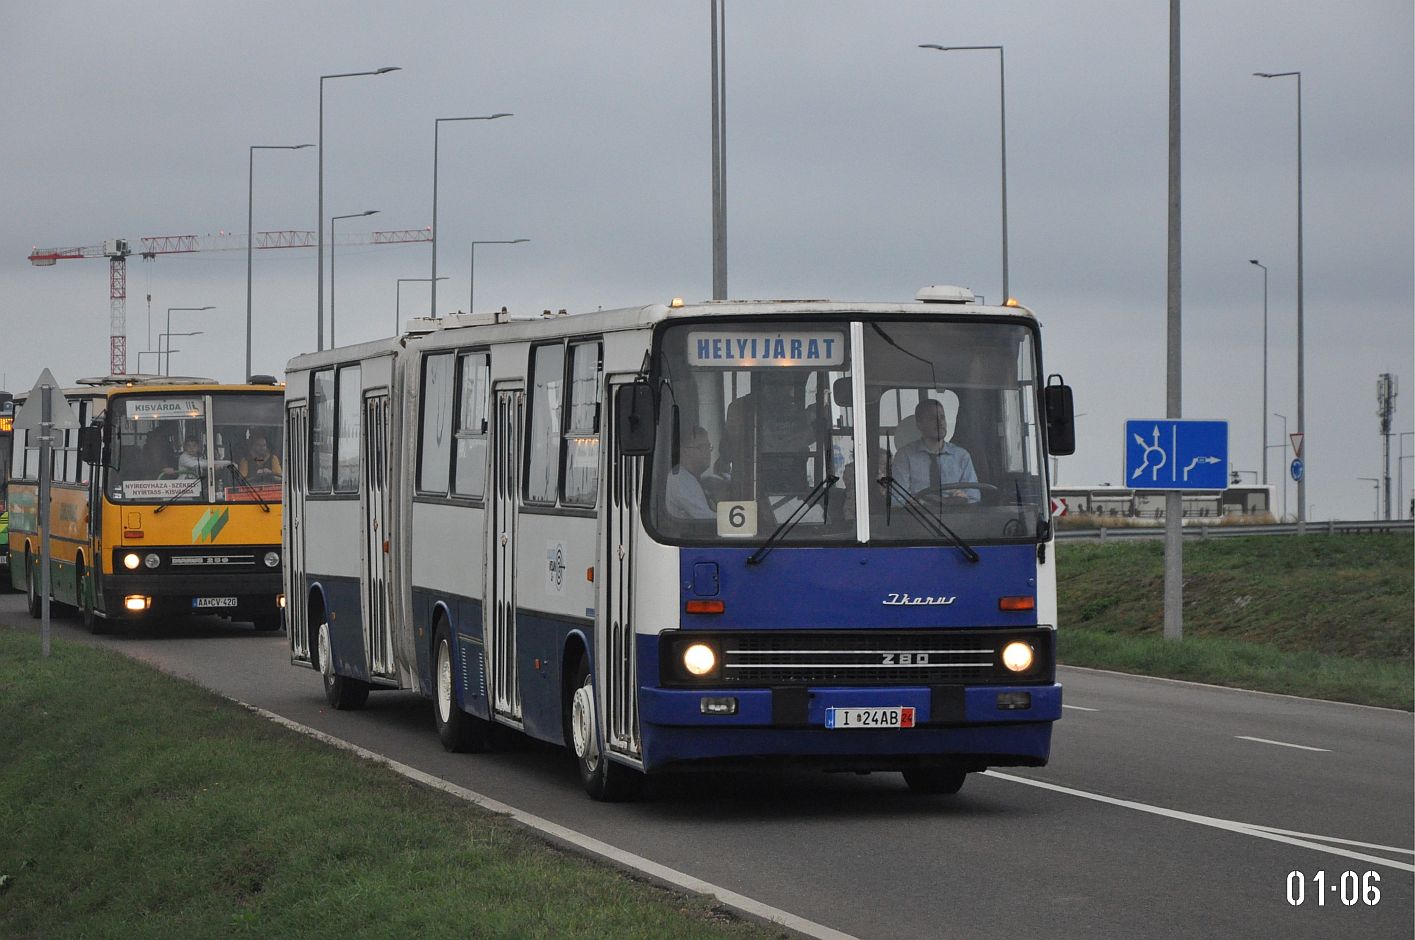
(544,440)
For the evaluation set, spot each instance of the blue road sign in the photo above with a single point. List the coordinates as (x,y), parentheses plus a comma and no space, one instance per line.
(1297,470)
(1162,454)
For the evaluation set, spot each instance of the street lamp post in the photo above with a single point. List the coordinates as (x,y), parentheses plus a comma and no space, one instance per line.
(436,126)
(719,149)
(1265,366)
(1283,445)
(1301,401)
(472,268)
(398,301)
(149,352)
(170,350)
(1400,472)
(250,232)
(319,316)
(168,369)
(1002,101)
(333,219)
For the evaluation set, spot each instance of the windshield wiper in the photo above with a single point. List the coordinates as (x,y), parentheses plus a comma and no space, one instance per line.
(930,519)
(177,495)
(789,523)
(236,473)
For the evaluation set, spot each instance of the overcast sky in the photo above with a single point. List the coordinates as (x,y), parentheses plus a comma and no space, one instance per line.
(859,168)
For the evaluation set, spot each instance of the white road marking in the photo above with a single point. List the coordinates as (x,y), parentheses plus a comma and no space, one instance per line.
(1300,747)
(1308,835)
(1258,832)
(1081,708)
(661,874)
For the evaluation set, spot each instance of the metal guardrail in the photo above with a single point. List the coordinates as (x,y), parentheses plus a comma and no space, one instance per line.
(1329,527)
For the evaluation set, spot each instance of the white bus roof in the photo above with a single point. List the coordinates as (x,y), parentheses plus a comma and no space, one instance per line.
(457,329)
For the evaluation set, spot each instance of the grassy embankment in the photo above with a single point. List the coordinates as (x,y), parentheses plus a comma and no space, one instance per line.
(134,804)
(1321,616)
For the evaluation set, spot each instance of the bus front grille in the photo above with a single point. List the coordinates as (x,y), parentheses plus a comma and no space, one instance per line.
(876,657)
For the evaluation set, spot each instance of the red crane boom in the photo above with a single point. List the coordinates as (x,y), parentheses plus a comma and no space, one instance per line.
(117,251)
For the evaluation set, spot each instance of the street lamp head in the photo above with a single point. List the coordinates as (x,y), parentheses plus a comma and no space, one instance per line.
(517,241)
(1254,261)
(389,68)
(370,212)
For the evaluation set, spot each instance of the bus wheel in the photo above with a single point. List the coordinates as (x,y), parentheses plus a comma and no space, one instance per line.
(92,622)
(458,731)
(935,779)
(32,601)
(341,692)
(603,779)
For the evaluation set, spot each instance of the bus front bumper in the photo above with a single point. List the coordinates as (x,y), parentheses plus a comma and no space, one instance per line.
(239,596)
(974,726)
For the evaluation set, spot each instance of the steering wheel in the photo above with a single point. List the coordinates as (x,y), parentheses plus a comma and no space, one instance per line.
(934,499)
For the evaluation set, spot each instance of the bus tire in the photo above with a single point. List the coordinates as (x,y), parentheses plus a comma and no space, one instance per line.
(340,692)
(946,780)
(92,622)
(32,600)
(603,779)
(458,731)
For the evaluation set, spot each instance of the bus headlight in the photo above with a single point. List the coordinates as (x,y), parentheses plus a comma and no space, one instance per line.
(1018,656)
(137,602)
(131,561)
(272,559)
(699,659)
(152,561)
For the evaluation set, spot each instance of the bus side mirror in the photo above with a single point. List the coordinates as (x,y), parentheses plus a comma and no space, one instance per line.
(1061,421)
(91,445)
(633,419)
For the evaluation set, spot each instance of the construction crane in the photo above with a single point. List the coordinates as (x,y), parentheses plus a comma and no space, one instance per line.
(117,250)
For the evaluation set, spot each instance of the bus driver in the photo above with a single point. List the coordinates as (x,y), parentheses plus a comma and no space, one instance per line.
(931,463)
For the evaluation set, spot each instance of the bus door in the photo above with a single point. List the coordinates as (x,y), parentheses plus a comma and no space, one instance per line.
(500,619)
(297,437)
(377,573)
(615,643)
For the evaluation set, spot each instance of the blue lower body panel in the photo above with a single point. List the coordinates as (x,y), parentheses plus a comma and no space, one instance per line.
(674,729)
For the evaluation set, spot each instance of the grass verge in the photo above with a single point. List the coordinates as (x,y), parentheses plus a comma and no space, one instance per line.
(135,804)
(1321,616)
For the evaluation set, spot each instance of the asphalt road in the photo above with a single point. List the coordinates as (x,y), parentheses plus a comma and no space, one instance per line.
(1156,817)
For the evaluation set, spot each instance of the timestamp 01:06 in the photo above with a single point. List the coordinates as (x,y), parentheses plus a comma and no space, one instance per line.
(1350,887)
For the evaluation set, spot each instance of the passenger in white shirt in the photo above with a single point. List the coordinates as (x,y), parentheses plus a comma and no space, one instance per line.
(684,496)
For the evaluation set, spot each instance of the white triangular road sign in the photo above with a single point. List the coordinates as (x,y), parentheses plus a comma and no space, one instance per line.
(61,415)
(1297,442)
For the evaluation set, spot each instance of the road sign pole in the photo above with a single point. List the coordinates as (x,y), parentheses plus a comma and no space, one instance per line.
(46,462)
(1173,501)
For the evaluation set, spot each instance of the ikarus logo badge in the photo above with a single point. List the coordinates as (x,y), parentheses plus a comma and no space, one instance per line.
(210,525)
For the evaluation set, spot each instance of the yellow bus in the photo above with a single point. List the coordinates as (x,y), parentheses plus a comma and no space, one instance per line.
(165,501)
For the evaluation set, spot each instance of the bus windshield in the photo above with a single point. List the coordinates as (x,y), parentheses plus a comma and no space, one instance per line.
(195,448)
(757,425)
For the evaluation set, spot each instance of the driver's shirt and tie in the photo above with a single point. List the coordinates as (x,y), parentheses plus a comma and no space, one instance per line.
(918,470)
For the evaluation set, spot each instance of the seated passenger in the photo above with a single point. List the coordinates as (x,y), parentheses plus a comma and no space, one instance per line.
(261,466)
(684,496)
(931,463)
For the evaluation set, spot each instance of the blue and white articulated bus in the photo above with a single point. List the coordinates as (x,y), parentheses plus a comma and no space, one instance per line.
(690,536)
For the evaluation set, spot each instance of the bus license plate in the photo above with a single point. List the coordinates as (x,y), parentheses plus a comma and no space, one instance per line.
(201,602)
(900,717)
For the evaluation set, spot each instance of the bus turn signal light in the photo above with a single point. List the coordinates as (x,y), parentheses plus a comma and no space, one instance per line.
(1016,603)
(704,607)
